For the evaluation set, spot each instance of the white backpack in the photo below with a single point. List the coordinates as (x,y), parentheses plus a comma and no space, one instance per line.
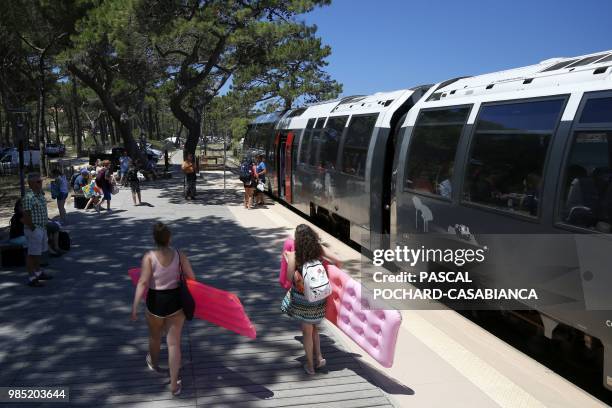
(316,283)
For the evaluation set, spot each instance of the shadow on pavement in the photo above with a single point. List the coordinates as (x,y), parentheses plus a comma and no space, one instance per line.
(76,331)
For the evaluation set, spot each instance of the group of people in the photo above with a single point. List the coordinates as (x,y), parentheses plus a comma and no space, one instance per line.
(253,177)
(98,183)
(161,269)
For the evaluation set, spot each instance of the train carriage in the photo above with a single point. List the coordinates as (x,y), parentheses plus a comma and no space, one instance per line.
(521,151)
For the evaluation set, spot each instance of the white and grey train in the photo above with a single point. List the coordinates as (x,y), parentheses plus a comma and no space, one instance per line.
(521,151)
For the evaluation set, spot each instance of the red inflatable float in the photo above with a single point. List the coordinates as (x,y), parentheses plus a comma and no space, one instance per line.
(215,306)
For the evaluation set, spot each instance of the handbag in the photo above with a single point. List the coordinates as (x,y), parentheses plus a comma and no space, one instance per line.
(186,299)
(54,189)
(286,305)
(261,186)
(115,189)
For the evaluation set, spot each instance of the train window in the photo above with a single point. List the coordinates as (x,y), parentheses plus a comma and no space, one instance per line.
(560,65)
(432,150)
(597,110)
(305,145)
(330,141)
(508,154)
(587,191)
(315,145)
(320,123)
(586,61)
(356,143)
(608,58)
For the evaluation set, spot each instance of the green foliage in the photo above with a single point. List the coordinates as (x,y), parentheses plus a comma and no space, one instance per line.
(205,44)
(164,58)
(291,73)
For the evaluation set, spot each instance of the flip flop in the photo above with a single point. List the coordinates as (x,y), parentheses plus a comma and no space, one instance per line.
(179,388)
(322,363)
(308,370)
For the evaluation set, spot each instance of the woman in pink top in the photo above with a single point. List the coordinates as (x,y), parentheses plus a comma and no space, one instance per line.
(160,276)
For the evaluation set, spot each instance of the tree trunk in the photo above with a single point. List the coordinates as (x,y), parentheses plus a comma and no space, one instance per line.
(157,130)
(57,125)
(150,122)
(192,124)
(103,130)
(41,115)
(77,117)
(7,127)
(69,117)
(111,129)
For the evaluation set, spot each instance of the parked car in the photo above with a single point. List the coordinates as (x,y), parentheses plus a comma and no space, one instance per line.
(30,157)
(55,149)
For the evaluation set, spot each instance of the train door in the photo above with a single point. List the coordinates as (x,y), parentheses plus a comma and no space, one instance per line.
(274,162)
(288,159)
(281,142)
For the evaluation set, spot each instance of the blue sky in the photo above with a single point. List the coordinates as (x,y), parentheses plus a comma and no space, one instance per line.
(392,44)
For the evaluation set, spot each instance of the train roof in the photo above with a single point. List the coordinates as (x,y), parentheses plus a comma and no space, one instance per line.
(380,102)
(268,117)
(554,76)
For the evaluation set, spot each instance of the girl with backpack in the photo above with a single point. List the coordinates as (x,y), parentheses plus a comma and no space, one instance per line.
(247,176)
(307,258)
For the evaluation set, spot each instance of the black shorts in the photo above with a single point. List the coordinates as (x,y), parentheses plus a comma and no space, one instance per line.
(135,186)
(163,303)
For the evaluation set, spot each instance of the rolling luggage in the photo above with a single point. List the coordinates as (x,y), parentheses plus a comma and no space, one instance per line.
(80,202)
(12,255)
(63,241)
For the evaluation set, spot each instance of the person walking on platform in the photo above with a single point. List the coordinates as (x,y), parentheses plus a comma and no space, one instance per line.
(247,176)
(35,217)
(132,178)
(190,168)
(160,271)
(104,180)
(62,192)
(308,251)
(124,166)
(262,170)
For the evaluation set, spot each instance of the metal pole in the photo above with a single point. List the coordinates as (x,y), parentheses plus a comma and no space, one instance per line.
(224,158)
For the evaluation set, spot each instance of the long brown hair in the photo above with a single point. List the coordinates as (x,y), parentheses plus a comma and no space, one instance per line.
(307,246)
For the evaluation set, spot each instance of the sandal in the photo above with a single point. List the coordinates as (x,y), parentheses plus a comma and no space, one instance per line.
(150,364)
(322,363)
(308,371)
(179,388)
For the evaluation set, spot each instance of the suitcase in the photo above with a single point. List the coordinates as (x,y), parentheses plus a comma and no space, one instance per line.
(80,202)
(63,241)
(12,255)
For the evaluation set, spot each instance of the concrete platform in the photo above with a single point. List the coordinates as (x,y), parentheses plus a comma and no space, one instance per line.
(76,332)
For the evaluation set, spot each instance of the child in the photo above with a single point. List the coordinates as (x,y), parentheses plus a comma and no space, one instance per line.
(310,314)
(132,178)
(93,192)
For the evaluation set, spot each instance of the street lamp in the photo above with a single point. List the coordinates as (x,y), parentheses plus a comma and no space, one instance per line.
(225,151)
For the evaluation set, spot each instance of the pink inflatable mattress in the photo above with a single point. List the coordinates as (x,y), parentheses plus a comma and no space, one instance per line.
(375,331)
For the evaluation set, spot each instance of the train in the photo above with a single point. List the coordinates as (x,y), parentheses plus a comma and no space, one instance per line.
(522,151)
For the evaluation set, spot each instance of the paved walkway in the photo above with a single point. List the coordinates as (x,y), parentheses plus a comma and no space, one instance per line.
(76,331)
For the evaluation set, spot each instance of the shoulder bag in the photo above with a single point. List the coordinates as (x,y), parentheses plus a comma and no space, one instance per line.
(186,298)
